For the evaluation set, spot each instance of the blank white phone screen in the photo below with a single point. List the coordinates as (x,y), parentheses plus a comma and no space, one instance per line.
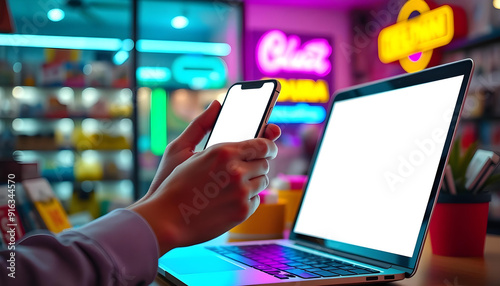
(241,114)
(376,166)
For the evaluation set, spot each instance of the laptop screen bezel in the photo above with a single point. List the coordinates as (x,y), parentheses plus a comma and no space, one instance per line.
(463,67)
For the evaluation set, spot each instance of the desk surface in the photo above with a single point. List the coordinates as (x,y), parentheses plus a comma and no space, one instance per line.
(449,271)
(458,271)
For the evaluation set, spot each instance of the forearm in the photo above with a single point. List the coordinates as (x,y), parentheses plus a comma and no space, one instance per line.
(118,249)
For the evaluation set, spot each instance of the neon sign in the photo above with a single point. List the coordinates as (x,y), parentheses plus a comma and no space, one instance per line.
(299,113)
(276,53)
(303,90)
(153,75)
(412,39)
(304,66)
(200,72)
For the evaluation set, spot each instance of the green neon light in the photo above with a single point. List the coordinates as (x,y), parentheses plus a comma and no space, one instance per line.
(159,105)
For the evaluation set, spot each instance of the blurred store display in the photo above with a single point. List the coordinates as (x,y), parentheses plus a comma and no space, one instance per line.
(66,102)
(75,134)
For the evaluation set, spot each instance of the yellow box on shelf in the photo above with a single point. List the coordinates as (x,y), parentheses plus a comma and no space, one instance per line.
(290,198)
(290,190)
(267,222)
(88,170)
(46,204)
(98,141)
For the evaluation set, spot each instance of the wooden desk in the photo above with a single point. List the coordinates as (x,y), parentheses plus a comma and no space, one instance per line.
(449,271)
(458,271)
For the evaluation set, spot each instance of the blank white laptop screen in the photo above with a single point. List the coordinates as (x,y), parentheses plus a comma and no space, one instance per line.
(376,165)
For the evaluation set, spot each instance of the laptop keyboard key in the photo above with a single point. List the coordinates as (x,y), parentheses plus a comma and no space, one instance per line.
(285,261)
(295,264)
(280,276)
(263,267)
(286,267)
(243,259)
(319,265)
(347,267)
(343,272)
(326,273)
(312,269)
(302,274)
(277,265)
(305,267)
(361,271)
(335,264)
(264,260)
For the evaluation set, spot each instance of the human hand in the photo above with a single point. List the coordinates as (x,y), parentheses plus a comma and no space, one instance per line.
(182,148)
(211,192)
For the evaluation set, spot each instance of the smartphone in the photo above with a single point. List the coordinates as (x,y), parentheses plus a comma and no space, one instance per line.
(245,111)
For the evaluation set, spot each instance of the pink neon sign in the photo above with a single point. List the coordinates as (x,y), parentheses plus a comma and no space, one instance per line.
(276,52)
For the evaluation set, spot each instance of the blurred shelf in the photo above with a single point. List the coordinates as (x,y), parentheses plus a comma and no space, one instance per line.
(104,180)
(485,81)
(71,149)
(466,43)
(64,117)
(48,87)
(482,118)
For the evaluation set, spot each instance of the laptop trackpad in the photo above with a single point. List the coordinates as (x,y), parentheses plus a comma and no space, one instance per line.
(199,264)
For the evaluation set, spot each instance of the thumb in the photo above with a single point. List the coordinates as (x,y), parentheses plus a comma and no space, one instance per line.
(202,124)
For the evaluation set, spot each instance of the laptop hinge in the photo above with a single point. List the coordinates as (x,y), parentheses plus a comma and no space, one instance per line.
(346,255)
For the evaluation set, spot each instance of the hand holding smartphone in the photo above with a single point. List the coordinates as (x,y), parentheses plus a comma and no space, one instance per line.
(245,111)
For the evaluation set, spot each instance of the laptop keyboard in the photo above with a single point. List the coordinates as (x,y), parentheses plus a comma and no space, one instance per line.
(286,262)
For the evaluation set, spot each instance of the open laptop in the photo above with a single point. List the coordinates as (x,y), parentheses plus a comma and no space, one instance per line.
(370,194)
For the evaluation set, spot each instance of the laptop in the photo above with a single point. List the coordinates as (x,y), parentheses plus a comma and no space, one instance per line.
(367,204)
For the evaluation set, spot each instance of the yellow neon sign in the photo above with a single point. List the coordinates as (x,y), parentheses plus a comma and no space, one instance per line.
(411,41)
(303,90)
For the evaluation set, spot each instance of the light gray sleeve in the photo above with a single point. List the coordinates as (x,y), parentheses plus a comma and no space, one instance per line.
(117,249)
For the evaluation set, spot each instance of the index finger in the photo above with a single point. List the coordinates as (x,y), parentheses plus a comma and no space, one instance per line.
(259,148)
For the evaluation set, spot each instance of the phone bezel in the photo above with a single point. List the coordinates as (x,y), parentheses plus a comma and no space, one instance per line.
(255,84)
